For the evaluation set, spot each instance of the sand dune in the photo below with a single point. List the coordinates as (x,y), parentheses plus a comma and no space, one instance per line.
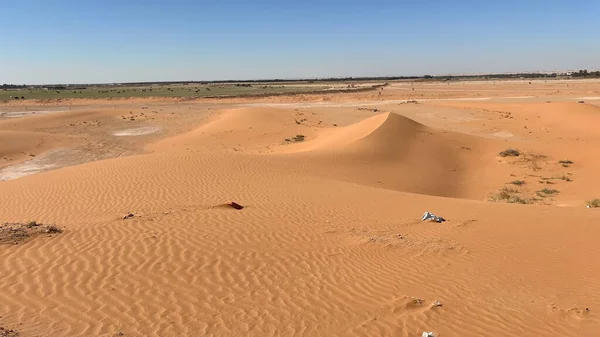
(330,241)
(394,152)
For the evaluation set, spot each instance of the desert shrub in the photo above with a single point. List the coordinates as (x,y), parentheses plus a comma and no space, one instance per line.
(509,195)
(510,152)
(547,192)
(53,229)
(594,203)
(299,138)
(565,178)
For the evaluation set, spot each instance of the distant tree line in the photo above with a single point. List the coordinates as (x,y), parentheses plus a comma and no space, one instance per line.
(491,76)
(12,86)
(586,73)
(579,74)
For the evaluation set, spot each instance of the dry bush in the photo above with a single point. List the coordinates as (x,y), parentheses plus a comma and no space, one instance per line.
(547,192)
(594,203)
(509,195)
(510,152)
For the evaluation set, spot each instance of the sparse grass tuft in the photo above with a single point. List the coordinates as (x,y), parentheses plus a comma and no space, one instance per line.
(533,160)
(594,203)
(509,195)
(518,182)
(565,178)
(518,200)
(547,192)
(565,163)
(297,138)
(505,192)
(510,152)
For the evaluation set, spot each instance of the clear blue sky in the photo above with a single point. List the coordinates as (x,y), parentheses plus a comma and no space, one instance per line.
(54,41)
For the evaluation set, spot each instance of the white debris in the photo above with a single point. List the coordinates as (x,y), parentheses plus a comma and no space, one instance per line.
(430,216)
(429,334)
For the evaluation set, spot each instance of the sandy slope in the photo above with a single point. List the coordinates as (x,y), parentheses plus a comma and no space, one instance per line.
(330,243)
(20,145)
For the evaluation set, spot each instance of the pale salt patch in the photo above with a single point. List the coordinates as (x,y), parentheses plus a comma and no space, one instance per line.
(502,134)
(137,131)
(24,169)
(48,161)
(19,114)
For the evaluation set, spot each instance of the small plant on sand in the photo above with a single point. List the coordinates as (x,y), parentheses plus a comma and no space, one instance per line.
(510,152)
(518,182)
(509,195)
(518,200)
(565,163)
(297,138)
(505,192)
(53,229)
(417,301)
(547,192)
(565,178)
(533,160)
(593,203)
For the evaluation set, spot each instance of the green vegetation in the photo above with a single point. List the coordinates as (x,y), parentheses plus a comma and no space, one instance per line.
(180,90)
(586,73)
(510,153)
(594,203)
(518,182)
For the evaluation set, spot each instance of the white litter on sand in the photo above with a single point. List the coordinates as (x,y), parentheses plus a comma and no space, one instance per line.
(137,131)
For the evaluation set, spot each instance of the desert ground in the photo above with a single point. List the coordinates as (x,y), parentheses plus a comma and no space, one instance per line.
(330,241)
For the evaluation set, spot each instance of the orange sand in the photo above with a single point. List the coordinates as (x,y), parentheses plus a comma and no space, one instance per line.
(330,242)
